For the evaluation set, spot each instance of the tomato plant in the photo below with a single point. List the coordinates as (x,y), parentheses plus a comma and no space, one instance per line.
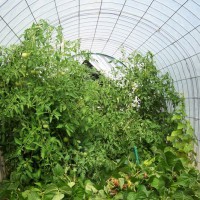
(68,135)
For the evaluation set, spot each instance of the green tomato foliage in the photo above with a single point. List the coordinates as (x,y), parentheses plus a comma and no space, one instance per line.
(64,133)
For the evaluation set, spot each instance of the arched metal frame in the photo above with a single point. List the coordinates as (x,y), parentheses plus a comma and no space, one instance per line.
(170,29)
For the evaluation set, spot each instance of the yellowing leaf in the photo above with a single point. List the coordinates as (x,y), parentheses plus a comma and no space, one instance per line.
(71,184)
(148,162)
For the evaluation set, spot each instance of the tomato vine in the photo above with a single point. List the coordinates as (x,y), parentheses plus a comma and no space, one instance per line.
(67,135)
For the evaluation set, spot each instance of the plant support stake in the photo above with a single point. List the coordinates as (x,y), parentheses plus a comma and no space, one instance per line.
(136,155)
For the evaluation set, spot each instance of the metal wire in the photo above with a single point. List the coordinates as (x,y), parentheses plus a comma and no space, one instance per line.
(57,12)
(96,25)
(30,11)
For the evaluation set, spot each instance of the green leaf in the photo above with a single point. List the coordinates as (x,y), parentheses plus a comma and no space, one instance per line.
(171,138)
(78,193)
(58,196)
(38,184)
(58,170)
(38,174)
(176,117)
(158,183)
(197,193)
(132,196)
(17,141)
(30,148)
(142,188)
(170,158)
(180,126)
(89,187)
(180,195)
(178,166)
(183,180)
(119,196)
(60,126)
(102,194)
(51,188)
(149,162)
(176,133)
(65,190)
(43,152)
(33,196)
(13,186)
(30,175)
(71,184)
(57,115)
(121,182)
(25,193)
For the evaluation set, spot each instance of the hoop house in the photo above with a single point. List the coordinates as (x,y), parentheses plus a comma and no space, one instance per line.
(112,29)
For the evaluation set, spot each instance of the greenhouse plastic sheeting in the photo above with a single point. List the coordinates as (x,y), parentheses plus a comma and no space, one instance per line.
(170,29)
